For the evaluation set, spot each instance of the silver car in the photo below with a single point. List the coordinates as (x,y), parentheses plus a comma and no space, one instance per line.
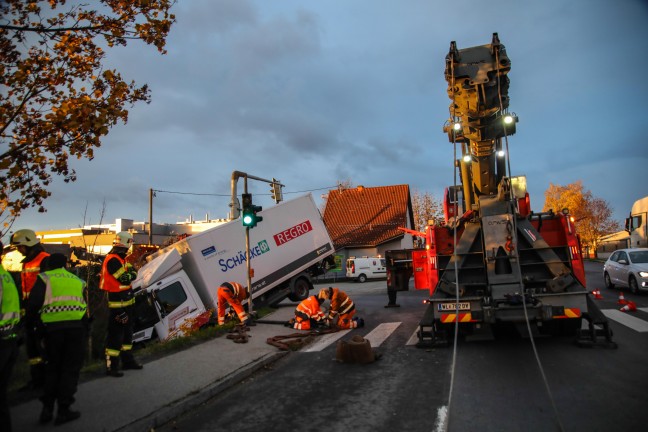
(627,268)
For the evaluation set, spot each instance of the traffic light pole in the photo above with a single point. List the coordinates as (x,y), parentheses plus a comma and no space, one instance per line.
(248,267)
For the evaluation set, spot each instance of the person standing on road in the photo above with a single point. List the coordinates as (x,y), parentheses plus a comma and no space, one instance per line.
(233,294)
(116,278)
(58,307)
(9,319)
(308,313)
(342,309)
(30,247)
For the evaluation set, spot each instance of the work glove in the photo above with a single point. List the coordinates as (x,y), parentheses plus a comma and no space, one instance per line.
(122,318)
(128,277)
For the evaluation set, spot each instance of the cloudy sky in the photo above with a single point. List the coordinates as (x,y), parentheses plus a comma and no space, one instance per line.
(312,92)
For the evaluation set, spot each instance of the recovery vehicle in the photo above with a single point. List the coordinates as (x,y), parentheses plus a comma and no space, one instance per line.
(177,287)
(495,261)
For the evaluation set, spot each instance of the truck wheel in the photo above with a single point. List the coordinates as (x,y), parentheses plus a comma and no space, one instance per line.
(608,281)
(362,278)
(300,290)
(632,283)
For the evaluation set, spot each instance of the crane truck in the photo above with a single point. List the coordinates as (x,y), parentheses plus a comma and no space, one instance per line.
(177,288)
(495,261)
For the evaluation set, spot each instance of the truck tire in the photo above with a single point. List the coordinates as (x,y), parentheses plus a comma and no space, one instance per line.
(362,278)
(300,290)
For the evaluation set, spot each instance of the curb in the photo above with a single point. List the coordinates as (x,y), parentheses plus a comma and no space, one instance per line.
(192,400)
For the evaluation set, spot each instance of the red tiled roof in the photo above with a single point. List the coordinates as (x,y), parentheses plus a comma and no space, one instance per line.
(366,216)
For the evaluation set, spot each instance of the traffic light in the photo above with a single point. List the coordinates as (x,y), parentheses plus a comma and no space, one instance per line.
(250,217)
(275,191)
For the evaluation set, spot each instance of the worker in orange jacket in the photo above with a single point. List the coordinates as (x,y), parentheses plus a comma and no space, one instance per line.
(29,245)
(308,313)
(233,294)
(341,310)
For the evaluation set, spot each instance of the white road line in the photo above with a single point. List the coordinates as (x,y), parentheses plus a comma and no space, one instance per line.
(643,309)
(378,335)
(413,340)
(325,341)
(627,320)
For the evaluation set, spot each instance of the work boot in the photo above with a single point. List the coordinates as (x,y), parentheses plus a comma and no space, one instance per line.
(359,322)
(47,414)
(129,362)
(112,367)
(65,414)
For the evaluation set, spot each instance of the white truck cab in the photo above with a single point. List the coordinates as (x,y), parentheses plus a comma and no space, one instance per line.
(363,268)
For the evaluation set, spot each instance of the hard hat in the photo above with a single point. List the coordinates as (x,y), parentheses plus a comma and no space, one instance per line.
(123,239)
(24,237)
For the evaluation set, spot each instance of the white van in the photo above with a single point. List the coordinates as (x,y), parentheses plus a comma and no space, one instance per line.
(363,268)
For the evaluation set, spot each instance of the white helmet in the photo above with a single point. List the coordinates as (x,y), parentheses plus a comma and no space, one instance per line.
(123,239)
(24,237)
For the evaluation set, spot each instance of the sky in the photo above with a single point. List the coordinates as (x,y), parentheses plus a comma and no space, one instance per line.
(316,92)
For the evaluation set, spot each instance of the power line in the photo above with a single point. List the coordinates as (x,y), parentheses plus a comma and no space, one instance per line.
(227,195)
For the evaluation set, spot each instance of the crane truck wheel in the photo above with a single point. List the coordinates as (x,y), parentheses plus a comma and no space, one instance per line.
(608,281)
(632,283)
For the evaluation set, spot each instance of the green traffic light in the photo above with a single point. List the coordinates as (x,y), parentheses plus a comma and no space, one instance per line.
(247,220)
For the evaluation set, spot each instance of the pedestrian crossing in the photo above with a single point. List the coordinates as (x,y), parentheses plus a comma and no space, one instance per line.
(383,331)
(628,320)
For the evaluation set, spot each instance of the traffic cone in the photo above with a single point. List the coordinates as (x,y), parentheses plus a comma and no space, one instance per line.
(597,294)
(622,300)
(629,307)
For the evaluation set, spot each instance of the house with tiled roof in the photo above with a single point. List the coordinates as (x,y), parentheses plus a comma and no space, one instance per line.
(364,221)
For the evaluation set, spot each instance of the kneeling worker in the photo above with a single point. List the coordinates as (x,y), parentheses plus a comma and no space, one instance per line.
(342,308)
(308,313)
(233,294)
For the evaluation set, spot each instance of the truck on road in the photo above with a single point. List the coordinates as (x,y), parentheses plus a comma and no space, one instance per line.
(177,288)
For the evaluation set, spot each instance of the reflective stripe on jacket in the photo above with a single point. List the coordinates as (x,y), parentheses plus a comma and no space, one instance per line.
(63,297)
(340,303)
(29,273)
(238,290)
(9,305)
(110,282)
(309,309)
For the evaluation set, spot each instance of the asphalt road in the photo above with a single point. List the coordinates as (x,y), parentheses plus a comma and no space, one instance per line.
(496,385)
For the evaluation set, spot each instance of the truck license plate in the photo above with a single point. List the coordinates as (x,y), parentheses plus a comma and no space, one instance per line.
(453,306)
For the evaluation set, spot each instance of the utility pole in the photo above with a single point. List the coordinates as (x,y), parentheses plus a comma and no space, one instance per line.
(150,230)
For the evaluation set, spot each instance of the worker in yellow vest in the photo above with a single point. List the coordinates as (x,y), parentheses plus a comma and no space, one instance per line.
(57,305)
(9,319)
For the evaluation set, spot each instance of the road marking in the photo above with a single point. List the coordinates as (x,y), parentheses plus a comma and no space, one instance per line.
(627,320)
(413,340)
(643,309)
(378,335)
(325,341)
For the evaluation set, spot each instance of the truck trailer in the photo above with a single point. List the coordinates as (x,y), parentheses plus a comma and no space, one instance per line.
(177,288)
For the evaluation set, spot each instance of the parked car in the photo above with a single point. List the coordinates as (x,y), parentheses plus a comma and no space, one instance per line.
(627,268)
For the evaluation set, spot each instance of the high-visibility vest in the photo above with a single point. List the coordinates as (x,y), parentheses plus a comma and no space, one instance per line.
(9,305)
(110,282)
(309,309)
(238,290)
(340,303)
(29,273)
(63,297)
